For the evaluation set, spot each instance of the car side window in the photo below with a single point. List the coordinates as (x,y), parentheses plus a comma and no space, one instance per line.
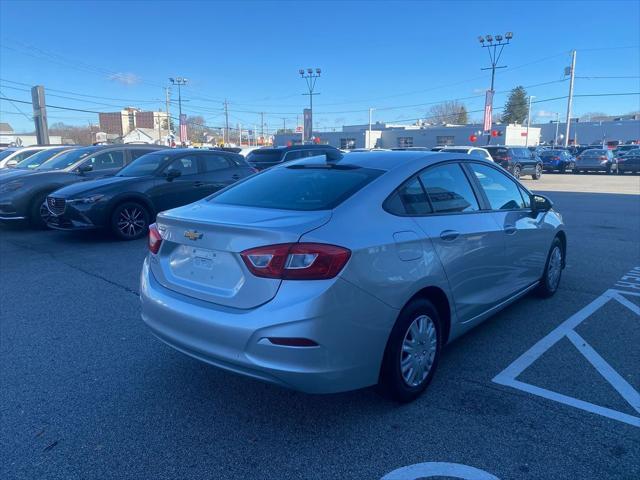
(408,199)
(502,192)
(138,152)
(295,155)
(212,163)
(107,160)
(448,189)
(185,165)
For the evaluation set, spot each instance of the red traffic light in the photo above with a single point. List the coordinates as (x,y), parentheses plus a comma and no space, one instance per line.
(494,133)
(473,138)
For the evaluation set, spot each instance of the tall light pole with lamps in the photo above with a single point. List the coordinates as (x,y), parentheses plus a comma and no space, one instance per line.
(311,77)
(495,49)
(529,119)
(179,81)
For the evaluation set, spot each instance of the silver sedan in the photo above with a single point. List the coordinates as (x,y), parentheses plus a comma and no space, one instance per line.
(326,275)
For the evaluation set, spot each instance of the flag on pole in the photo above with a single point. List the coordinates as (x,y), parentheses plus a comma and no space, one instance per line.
(488,110)
(183,128)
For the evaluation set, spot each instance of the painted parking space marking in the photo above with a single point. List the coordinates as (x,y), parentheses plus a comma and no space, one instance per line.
(509,376)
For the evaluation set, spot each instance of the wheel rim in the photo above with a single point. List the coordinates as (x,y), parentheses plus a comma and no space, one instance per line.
(44,213)
(516,172)
(418,351)
(131,221)
(555,268)
(538,171)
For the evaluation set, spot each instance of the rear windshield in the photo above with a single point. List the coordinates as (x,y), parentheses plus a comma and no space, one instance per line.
(267,155)
(595,153)
(298,188)
(549,153)
(455,150)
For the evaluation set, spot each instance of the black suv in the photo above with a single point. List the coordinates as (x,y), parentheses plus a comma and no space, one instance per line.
(23,198)
(517,160)
(128,202)
(262,158)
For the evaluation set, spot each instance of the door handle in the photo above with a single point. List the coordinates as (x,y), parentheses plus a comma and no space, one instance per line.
(510,229)
(449,235)
(235,176)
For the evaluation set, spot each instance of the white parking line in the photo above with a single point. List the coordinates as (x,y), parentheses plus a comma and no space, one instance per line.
(508,376)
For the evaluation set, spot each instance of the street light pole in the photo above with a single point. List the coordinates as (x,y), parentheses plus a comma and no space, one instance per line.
(179,81)
(494,55)
(555,139)
(369,137)
(529,119)
(311,77)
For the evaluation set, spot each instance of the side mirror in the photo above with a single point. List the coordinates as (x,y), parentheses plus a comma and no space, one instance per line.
(173,173)
(540,203)
(87,167)
(11,163)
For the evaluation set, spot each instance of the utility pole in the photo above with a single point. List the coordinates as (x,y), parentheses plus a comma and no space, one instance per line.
(284,125)
(239,134)
(311,78)
(369,137)
(529,119)
(226,121)
(555,139)
(167,92)
(40,114)
(570,100)
(179,81)
(494,55)
(262,126)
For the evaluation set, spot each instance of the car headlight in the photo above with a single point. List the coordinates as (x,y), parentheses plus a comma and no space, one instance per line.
(11,186)
(86,200)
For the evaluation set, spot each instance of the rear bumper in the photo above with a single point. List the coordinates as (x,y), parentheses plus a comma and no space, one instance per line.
(350,327)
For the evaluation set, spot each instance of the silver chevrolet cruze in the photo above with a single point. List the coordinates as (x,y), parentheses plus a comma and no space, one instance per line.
(332,274)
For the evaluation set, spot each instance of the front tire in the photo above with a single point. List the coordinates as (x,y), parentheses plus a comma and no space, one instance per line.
(412,352)
(38,212)
(130,221)
(552,271)
(517,171)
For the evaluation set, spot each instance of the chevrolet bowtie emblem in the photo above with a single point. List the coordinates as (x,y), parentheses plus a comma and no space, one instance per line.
(193,235)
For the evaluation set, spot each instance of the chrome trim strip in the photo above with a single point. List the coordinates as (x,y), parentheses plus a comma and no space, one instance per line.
(504,303)
(13,218)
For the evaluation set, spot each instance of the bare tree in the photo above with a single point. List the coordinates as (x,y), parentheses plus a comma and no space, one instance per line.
(594,117)
(77,134)
(450,111)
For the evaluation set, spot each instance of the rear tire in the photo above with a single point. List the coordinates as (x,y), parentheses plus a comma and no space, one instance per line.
(130,221)
(552,270)
(538,173)
(517,171)
(563,169)
(412,352)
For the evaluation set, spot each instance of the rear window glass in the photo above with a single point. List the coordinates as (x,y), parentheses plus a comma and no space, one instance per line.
(266,155)
(594,153)
(497,151)
(304,189)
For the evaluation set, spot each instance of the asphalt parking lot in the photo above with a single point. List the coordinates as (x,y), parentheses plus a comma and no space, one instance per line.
(87,392)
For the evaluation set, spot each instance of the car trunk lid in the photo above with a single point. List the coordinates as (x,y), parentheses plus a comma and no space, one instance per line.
(200,252)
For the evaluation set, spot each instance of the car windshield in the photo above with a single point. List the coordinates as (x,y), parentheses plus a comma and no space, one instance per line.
(299,187)
(265,155)
(67,159)
(145,165)
(5,153)
(37,159)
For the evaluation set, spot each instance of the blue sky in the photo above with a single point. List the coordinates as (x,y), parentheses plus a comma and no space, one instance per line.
(396,57)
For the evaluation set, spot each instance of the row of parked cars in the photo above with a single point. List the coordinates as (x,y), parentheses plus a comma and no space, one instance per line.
(269,275)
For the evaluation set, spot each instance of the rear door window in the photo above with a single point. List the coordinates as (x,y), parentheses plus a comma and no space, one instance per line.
(448,189)
(409,199)
(212,163)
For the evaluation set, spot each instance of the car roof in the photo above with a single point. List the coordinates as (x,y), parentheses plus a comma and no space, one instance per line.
(385,160)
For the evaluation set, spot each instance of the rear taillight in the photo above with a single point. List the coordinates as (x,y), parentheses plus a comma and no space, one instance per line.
(602,157)
(155,239)
(296,261)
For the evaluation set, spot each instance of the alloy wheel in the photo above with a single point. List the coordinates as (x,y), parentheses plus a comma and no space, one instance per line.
(419,349)
(131,221)
(555,268)
(45,214)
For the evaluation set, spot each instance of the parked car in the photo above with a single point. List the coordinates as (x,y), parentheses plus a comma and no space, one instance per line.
(11,156)
(517,160)
(596,160)
(557,160)
(129,201)
(629,162)
(476,152)
(262,158)
(623,149)
(22,198)
(33,162)
(273,276)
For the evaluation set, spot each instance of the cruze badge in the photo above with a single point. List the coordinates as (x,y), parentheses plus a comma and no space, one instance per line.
(193,235)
